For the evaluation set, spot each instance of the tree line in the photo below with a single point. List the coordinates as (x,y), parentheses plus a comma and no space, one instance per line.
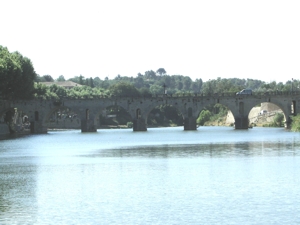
(153,83)
(18,80)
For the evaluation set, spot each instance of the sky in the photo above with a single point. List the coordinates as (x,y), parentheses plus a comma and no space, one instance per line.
(257,39)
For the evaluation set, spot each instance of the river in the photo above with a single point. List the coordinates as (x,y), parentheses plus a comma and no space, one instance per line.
(215,175)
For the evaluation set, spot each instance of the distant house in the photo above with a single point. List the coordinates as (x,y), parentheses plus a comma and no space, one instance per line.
(65,84)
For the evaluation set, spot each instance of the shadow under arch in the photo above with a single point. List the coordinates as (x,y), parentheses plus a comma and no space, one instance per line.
(164,115)
(113,116)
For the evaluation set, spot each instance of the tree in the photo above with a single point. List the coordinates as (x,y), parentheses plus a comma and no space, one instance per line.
(278,119)
(91,82)
(179,85)
(58,90)
(145,92)
(97,82)
(161,71)
(124,89)
(17,75)
(203,117)
(187,81)
(156,89)
(296,123)
(150,74)
(48,78)
(61,78)
(139,82)
(81,79)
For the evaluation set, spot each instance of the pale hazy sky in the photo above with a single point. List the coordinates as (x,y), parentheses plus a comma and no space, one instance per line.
(258,39)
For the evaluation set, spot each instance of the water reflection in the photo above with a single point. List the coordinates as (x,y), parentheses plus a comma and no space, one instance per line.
(240,149)
(17,193)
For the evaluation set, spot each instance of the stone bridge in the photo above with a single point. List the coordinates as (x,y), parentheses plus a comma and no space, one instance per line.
(89,110)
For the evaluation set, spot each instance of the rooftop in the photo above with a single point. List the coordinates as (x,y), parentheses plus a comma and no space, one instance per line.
(65,84)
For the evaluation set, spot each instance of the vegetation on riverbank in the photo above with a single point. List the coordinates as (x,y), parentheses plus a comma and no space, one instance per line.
(296,123)
(277,121)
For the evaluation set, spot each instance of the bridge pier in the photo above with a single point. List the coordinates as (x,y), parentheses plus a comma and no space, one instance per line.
(241,122)
(190,123)
(88,125)
(36,127)
(288,123)
(139,124)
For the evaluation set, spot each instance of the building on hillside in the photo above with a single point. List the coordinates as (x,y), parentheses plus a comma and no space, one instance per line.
(65,84)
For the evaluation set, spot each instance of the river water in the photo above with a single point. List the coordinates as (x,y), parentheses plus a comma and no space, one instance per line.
(215,175)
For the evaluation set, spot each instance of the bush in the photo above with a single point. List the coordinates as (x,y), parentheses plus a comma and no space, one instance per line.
(278,119)
(203,117)
(296,123)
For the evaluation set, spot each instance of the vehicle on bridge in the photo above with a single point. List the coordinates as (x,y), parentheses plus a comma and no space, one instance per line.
(245,92)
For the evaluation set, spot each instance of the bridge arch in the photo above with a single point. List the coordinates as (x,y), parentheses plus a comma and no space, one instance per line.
(164,114)
(285,110)
(213,108)
(246,105)
(264,114)
(114,115)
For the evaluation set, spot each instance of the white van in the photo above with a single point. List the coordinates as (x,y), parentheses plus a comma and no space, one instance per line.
(262,112)
(245,92)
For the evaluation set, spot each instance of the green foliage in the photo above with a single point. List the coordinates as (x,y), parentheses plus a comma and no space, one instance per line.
(124,89)
(44,92)
(61,78)
(17,75)
(278,119)
(156,89)
(59,91)
(218,112)
(48,78)
(161,71)
(81,79)
(145,92)
(86,92)
(295,123)
(150,74)
(203,117)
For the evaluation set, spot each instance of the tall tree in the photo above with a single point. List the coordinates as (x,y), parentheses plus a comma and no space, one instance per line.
(150,74)
(124,89)
(91,82)
(81,79)
(48,78)
(161,71)
(187,81)
(17,75)
(61,78)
